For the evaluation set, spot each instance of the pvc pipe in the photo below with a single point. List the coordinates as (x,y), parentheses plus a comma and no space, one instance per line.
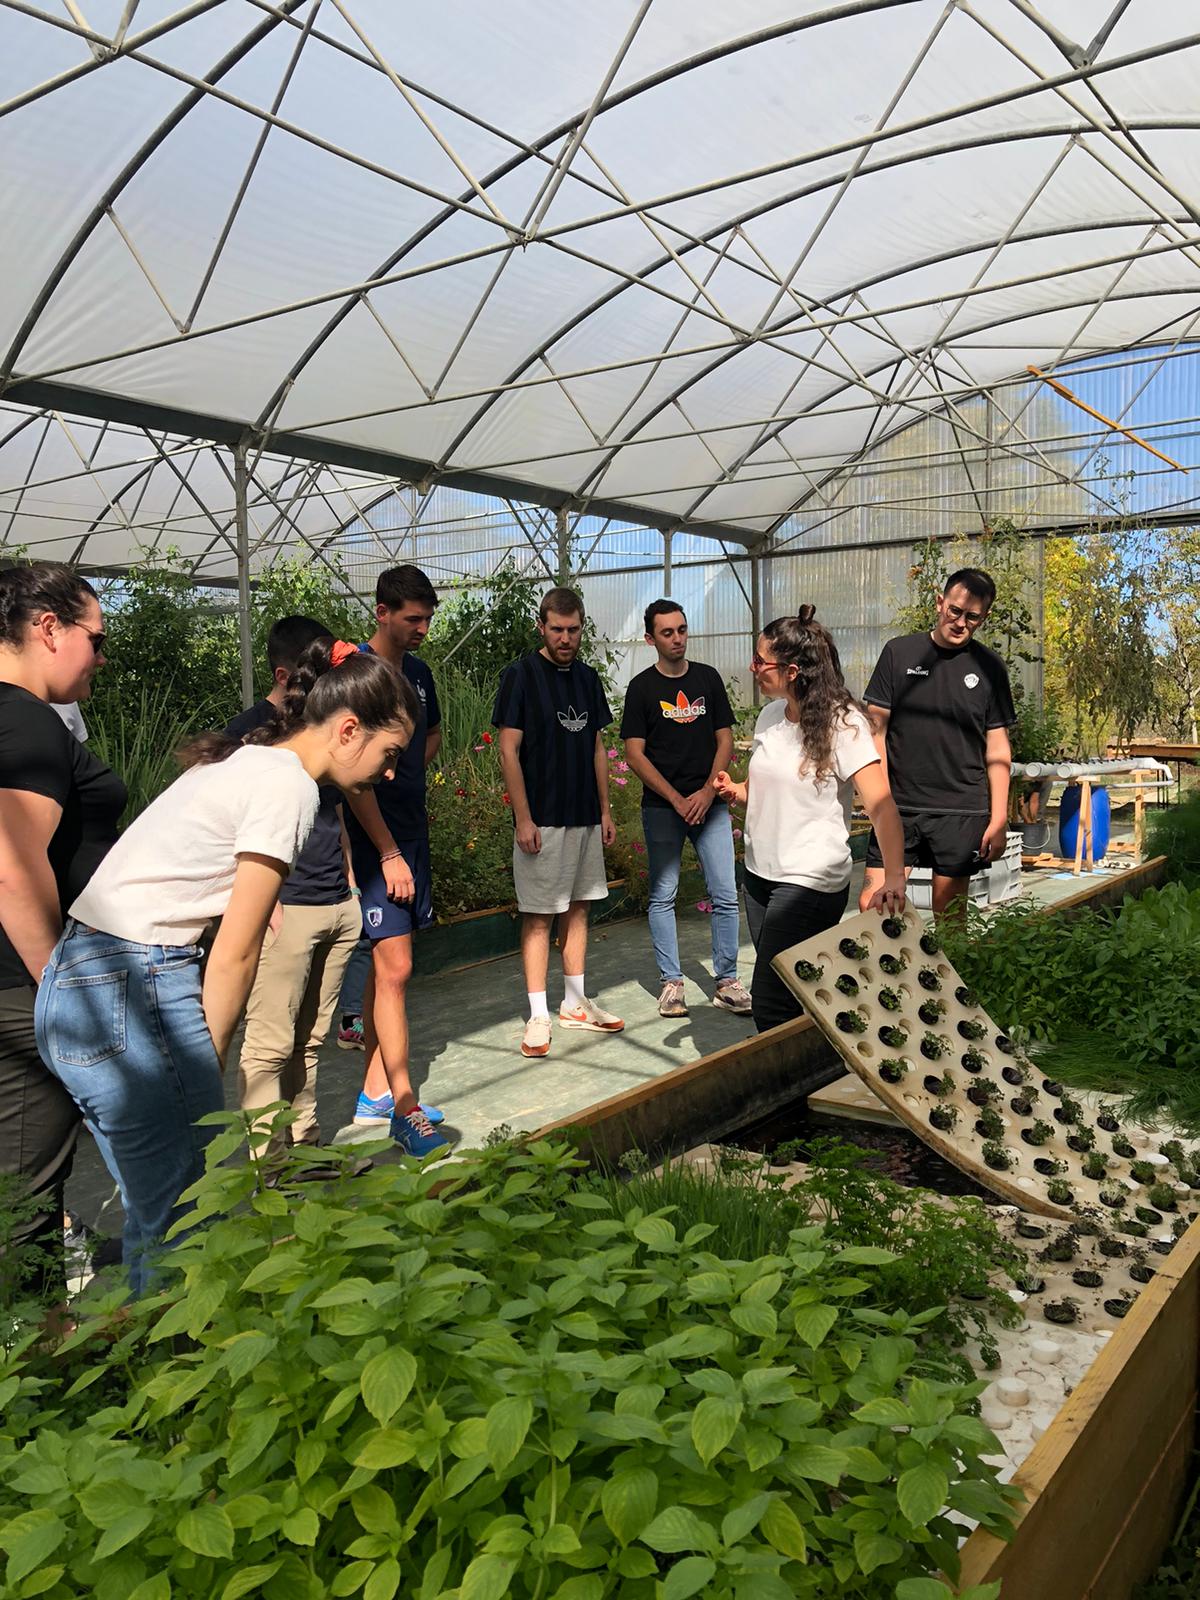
(1066,770)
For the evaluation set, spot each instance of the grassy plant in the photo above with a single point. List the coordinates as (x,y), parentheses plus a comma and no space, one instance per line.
(137,735)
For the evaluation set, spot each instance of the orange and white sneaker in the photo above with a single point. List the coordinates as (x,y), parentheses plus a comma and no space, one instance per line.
(589,1016)
(537,1037)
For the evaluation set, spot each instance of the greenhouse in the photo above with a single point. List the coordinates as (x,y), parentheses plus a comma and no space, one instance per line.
(514,457)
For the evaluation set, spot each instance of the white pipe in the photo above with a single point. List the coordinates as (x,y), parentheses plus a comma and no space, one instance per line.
(1066,771)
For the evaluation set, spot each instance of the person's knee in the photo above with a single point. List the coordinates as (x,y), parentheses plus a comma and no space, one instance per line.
(393,964)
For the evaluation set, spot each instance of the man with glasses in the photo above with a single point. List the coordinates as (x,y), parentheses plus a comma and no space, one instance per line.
(941,707)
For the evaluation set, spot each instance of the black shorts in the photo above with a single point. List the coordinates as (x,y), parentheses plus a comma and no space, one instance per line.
(384,918)
(947,841)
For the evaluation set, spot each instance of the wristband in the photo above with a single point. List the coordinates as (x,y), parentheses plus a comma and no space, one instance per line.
(356,892)
(390,855)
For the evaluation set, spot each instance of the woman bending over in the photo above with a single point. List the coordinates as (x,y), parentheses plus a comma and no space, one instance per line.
(810,742)
(124,1019)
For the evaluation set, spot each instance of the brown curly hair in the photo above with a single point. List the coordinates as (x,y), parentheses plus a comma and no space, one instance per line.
(818,690)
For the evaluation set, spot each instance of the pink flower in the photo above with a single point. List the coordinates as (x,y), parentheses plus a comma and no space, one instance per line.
(612,754)
(704,905)
(621,781)
(737,833)
(640,848)
(622,766)
(481,747)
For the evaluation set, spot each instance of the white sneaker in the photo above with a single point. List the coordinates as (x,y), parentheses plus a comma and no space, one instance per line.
(589,1016)
(537,1037)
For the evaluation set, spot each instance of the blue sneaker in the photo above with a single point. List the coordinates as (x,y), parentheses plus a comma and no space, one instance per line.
(416,1135)
(369,1111)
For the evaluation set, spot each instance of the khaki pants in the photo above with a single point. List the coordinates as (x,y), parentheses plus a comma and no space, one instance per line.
(290,1009)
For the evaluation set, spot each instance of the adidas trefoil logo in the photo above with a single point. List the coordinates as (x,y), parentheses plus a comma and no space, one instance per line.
(573,721)
(683,709)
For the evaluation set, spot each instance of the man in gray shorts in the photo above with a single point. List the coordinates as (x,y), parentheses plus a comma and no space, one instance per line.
(551,712)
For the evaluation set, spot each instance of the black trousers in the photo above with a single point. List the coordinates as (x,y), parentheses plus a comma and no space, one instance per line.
(38,1125)
(780,915)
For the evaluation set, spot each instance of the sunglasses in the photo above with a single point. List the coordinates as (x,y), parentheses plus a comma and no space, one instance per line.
(760,663)
(96,638)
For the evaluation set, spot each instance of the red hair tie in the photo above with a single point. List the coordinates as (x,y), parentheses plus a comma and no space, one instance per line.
(341,651)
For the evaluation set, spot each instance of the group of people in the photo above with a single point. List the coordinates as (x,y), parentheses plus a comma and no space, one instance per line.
(302,828)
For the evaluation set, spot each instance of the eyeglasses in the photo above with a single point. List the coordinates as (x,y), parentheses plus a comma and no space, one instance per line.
(760,663)
(96,638)
(971,618)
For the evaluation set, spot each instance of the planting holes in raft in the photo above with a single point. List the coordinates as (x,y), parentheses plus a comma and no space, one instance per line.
(1037,1147)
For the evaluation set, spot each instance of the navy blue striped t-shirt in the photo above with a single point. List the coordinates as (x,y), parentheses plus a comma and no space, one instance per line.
(559,710)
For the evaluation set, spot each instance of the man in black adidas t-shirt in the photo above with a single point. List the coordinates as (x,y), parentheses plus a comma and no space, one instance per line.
(551,711)
(678,735)
(942,706)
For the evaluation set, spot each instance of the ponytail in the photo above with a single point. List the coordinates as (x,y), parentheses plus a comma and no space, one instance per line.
(818,689)
(329,679)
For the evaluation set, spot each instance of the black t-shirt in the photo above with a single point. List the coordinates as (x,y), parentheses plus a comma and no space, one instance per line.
(402,797)
(319,876)
(942,704)
(40,755)
(679,719)
(559,710)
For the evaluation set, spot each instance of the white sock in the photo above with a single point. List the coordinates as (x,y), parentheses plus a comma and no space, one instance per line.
(573,987)
(537,1004)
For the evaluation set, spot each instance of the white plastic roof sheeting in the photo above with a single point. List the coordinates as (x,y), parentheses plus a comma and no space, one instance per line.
(675,260)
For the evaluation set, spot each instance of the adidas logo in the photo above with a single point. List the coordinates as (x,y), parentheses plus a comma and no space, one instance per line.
(573,721)
(683,709)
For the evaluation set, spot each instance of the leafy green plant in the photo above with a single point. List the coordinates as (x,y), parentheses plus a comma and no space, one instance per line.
(889,999)
(485,1379)
(1038,1134)
(1070,983)
(996,1156)
(1174,832)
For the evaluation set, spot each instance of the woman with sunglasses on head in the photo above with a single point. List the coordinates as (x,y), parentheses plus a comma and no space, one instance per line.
(811,742)
(125,1018)
(59,811)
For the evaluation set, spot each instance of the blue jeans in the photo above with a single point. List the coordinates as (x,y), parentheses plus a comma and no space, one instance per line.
(122,1027)
(354,983)
(712,840)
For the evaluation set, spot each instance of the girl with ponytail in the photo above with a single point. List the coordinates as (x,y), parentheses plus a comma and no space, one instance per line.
(811,741)
(124,1018)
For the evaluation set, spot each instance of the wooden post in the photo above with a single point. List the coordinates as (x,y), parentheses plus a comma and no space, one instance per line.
(1139,819)
(1085,807)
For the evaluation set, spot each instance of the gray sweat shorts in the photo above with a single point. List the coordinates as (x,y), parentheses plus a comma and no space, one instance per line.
(569,867)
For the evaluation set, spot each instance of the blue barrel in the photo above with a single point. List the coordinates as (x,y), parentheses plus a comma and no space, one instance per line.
(1068,821)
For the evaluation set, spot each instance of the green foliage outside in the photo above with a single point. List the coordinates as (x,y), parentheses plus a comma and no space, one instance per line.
(481,1379)
(1109,999)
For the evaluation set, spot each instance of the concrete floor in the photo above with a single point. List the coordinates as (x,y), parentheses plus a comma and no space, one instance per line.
(466,1031)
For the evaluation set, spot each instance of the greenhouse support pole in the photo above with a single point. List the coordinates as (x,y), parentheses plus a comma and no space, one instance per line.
(756,607)
(563,529)
(242,519)
(667,536)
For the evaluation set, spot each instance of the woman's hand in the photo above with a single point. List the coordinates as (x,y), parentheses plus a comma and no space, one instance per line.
(889,898)
(727,789)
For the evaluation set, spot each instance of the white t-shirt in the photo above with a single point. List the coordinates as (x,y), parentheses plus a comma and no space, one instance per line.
(798,831)
(70,713)
(171,872)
